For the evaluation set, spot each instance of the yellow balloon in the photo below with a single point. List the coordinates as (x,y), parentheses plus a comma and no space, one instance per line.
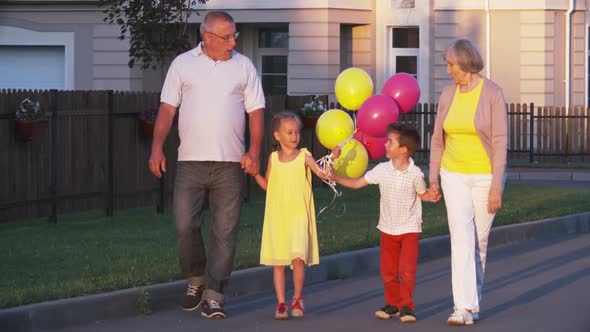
(334,127)
(353,86)
(353,160)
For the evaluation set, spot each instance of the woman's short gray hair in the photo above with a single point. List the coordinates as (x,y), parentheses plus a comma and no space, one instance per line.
(207,24)
(465,54)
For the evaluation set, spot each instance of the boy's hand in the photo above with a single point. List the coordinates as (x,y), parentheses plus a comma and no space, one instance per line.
(432,195)
(331,175)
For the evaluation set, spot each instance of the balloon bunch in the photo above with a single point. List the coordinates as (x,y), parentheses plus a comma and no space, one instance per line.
(364,137)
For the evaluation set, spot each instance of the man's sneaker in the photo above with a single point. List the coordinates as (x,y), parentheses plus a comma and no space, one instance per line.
(386,312)
(406,315)
(281,312)
(297,307)
(192,299)
(460,317)
(212,309)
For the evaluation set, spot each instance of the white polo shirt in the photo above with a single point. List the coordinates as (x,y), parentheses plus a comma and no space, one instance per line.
(400,208)
(213,97)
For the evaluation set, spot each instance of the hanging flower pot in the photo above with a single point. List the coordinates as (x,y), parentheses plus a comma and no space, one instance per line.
(311,111)
(309,121)
(30,119)
(147,118)
(26,129)
(147,127)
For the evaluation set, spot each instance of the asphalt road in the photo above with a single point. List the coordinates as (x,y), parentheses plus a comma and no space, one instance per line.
(538,285)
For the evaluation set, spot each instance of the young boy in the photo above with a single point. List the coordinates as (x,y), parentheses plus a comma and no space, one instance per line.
(401,183)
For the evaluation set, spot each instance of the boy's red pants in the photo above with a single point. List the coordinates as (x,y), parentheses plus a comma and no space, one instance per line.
(399,260)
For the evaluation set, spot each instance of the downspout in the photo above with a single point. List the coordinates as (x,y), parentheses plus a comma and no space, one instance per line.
(488,40)
(586,65)
(568,53)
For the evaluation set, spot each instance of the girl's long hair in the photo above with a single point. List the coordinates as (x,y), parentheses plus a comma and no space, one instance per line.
(275,124)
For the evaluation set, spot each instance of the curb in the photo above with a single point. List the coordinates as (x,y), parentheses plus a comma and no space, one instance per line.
(539,174)
(125,303)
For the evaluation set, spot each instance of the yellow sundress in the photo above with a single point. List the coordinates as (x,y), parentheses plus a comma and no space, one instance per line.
(289,229)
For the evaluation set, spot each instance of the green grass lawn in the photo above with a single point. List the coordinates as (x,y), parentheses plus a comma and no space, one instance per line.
(87,253)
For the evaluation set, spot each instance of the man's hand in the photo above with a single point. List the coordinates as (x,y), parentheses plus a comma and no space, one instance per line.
(250,163)
(157,163)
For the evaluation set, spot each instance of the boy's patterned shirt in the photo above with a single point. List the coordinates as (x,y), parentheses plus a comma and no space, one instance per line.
(400,208)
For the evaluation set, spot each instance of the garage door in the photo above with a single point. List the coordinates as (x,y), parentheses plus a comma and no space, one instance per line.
(32,67)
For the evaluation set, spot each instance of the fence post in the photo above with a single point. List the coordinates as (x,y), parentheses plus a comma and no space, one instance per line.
(110,180)
(54,156)
(531,133)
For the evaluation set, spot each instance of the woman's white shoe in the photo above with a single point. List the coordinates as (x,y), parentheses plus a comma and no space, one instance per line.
(460,317)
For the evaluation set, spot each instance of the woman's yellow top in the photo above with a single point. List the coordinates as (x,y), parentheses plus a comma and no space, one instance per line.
(464,152)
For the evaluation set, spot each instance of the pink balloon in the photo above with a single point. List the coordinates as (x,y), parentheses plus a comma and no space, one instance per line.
(375,114)
(375,145)
(404,89)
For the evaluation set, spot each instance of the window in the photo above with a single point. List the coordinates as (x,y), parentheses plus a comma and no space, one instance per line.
(273,38)
(405,47)
(405,38)
(273,48)
(274,74)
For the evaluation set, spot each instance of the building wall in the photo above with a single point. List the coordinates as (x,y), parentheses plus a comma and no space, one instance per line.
(526,57)
(506,60)
(579,70)
(449,25)
(527,46)
(95,44)
(542,55)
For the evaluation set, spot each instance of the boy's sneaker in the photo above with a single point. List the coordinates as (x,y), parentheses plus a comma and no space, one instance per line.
(192,299)
(297,307)
(386,312)
(281,312)
(212,309)
(460,317)
(407,315)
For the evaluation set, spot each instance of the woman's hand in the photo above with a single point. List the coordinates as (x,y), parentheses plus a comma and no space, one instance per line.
(494,200)
(435,187)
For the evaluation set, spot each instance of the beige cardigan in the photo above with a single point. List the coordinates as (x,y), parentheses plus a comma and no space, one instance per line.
(491,122)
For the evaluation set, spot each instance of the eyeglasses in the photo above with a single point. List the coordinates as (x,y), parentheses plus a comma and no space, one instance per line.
(225,38)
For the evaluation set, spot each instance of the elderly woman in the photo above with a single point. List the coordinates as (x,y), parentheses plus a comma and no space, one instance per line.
(468,151)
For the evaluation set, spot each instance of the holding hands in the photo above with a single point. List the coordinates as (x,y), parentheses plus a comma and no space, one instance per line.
(431,195)
(250,163)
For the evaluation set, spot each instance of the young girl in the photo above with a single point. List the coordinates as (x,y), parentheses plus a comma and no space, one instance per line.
(289,232)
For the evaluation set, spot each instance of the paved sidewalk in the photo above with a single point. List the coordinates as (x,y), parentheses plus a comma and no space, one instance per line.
(123,304)
(536,285)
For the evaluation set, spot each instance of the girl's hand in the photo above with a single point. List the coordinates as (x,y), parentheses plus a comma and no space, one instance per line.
(336,152)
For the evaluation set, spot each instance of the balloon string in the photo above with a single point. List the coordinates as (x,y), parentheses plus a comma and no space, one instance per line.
(347,140)
(325,165)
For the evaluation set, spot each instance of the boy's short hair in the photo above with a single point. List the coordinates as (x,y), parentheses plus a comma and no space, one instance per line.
(408,136)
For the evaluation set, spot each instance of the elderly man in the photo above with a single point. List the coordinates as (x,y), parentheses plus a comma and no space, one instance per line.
(211,86)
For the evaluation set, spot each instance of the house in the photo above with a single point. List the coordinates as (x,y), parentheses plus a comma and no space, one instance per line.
(536,50)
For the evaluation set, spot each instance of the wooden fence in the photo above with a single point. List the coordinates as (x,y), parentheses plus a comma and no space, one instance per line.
(92,153)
